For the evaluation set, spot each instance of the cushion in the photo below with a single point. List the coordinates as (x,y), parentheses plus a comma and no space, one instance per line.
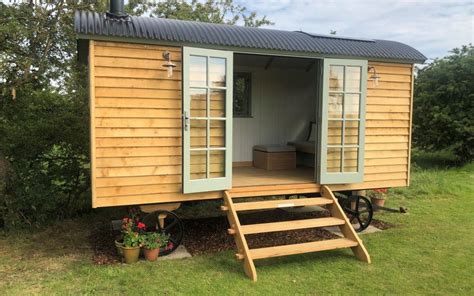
(274,148)
(304,146)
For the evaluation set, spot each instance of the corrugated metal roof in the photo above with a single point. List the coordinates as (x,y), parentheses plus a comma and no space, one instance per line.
(222,36)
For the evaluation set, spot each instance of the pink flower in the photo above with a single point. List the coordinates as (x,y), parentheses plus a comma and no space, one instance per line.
(141,225)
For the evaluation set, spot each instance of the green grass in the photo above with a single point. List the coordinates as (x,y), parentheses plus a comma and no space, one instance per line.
(430,251)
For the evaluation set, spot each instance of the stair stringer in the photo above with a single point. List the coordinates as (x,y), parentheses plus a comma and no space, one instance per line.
(239,237)
(347,230)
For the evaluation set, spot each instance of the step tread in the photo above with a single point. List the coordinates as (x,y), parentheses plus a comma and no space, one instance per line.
(291,225)
(294,249)
(273,204)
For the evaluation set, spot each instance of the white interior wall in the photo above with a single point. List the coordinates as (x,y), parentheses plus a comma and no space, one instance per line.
(283,104)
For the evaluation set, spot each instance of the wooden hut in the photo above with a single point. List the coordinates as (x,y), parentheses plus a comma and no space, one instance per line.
(187,111)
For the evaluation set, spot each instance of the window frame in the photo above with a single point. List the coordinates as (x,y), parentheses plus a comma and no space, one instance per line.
(325,177)
(248,77)
(210,183)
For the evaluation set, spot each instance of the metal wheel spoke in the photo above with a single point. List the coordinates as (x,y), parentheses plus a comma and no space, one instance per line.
(360,222)
(352,212)
(352,218)
(172,224)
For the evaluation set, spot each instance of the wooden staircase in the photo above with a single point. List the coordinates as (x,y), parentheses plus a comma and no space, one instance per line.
(337,218)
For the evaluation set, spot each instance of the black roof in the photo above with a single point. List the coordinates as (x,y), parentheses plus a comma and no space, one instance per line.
(89,24)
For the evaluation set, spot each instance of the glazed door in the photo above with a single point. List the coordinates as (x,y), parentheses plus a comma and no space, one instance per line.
(207,120)
(341,155)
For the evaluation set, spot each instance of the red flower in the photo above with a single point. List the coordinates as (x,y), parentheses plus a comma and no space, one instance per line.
(141,225)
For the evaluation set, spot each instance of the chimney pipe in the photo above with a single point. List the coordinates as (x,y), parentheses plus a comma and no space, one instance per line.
(116,9)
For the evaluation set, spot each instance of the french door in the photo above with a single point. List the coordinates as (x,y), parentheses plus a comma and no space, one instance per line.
(207,120)
(341,157)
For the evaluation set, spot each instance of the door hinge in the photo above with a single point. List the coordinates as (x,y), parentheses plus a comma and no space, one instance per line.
(185,120)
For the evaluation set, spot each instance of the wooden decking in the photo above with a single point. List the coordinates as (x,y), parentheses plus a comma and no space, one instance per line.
(250,176)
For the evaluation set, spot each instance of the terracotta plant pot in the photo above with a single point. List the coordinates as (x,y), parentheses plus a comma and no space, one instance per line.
(130,254)
(151,254)
(379,202)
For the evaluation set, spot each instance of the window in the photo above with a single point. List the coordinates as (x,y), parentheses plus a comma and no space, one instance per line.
(242,95)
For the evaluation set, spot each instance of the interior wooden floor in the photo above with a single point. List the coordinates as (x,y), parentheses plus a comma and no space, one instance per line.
(251,176)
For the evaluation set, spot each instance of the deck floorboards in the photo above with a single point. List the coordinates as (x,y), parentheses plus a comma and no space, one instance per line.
(251,176)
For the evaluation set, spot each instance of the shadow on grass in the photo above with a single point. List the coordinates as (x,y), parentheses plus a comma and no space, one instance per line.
(434,160)
(226,262)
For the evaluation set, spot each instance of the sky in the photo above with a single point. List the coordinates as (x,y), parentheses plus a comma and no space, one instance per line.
(432,27)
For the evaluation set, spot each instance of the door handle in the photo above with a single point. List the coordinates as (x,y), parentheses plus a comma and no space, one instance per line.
(186,120)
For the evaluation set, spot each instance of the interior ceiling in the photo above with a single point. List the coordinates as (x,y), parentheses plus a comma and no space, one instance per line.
(272,61)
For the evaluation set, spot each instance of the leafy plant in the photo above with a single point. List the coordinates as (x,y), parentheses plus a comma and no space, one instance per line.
(155,240)
(377,193)
(443,114)
(132,232)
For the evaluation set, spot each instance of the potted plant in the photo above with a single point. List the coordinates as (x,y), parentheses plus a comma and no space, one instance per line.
(132,240)
(377,196)
(152,242)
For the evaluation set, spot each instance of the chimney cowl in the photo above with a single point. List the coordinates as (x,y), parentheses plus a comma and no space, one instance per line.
(116,9)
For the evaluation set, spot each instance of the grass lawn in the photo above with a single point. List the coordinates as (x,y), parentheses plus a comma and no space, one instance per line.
(431,251)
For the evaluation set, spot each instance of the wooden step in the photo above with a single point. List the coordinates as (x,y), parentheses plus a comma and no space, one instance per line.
(294,249)
(281,203)
(291,225)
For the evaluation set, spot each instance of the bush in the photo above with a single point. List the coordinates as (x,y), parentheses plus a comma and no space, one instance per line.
(443,116)
(45,145)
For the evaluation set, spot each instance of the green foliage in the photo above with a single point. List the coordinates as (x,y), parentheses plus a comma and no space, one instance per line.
(155,240)
(132,232)
(132,239)
(443,116)
(210,11)
(43,115)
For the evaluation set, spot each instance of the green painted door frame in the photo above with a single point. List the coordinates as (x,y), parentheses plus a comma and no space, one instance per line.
(344,175)
(208,183)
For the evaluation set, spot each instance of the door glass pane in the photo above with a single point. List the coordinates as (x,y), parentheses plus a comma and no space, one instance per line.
(350,159)
(217,71)
(217,164)
(351,105)
(218,133)
(353,79)
(334,160)
(198,131)
(336,78)
(334,132)
(335,105)
(198,71)
(198,165)
(198,102)
(217,103)
(351,133)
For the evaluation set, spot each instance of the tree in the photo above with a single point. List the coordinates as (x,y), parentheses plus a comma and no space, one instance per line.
(443,116)
(211,11)
(43,108)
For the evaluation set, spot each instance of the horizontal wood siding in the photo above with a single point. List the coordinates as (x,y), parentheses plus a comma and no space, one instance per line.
(136,124)
(387,131)
(136,127)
